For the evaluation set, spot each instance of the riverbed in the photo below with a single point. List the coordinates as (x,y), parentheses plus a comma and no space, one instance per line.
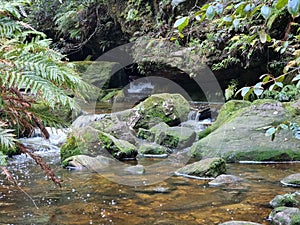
(90,198)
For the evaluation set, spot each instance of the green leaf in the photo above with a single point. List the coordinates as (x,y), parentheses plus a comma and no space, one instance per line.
(227,19)
(284,126)
(258,91)
(271,131)
(279,84)
(219,8)
(296,78)
(210,12)
(265,11)
(293,7)
(281,3)
(236,24)
(181,23)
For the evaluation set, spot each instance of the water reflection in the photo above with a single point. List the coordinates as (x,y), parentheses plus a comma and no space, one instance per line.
(89,198)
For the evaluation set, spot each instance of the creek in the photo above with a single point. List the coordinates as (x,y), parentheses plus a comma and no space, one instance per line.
(91,198)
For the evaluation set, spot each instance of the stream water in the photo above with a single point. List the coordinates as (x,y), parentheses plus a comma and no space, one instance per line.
(90,198)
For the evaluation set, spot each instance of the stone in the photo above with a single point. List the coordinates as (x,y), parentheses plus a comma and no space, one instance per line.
(119,149)
(285,216)
(288,200)
(292,180)
(153,149)
(225,179)
(239,133)
(239,223)
(80,162)
(172,137)
(210,167)
(115,133)
(135,170)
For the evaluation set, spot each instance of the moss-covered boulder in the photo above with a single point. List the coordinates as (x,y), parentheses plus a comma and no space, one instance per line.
(92,142)
(118,148)
(152,149)
(168,108)
(285,216)
(94,135)
(239,133)
(171,137)
(210,167)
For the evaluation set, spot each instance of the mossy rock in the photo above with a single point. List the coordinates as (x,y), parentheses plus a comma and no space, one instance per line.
(210,167)
(288,200)
(153,149)
(292,180)
(239,134)
(168,108)
(285,215)
(171,137)
(119,149)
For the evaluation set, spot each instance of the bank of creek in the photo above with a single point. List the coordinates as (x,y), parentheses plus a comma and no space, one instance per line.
(92,197)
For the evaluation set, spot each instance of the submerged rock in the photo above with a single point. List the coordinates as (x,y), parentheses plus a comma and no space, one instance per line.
(138,169)
(239,133)
(292,180)
(224,179)
(80,162)
(210,167)
(285,216)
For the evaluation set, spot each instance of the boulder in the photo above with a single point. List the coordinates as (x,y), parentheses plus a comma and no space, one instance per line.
(239,223)
(292,180)
(172,137)
(239,133)
(115,133)
(224,179)
(285,216)
(210,167)
(92,142)
(80,162)
(135,170)
(153,149)
(288,200)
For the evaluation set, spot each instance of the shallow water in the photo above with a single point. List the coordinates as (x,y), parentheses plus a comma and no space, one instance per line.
(90,198)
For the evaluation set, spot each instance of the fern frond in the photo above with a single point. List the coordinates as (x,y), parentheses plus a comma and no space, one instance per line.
(7,138)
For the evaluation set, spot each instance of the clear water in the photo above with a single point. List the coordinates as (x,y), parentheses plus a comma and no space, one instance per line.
(90,198)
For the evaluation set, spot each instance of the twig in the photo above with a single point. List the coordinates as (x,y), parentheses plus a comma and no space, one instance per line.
(11,179)
(40,161)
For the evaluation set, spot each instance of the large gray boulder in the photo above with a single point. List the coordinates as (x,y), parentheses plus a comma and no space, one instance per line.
(239,133)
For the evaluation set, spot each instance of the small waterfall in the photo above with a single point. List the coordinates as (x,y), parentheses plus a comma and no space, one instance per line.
(137,88)
(198,120)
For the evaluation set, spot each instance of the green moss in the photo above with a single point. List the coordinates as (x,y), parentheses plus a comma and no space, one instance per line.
(227,113)
(145,134)
(262,155)
(295,220)
(70,148)
(119,149)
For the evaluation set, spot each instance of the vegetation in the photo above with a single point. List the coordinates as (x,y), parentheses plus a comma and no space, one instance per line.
(35,83)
